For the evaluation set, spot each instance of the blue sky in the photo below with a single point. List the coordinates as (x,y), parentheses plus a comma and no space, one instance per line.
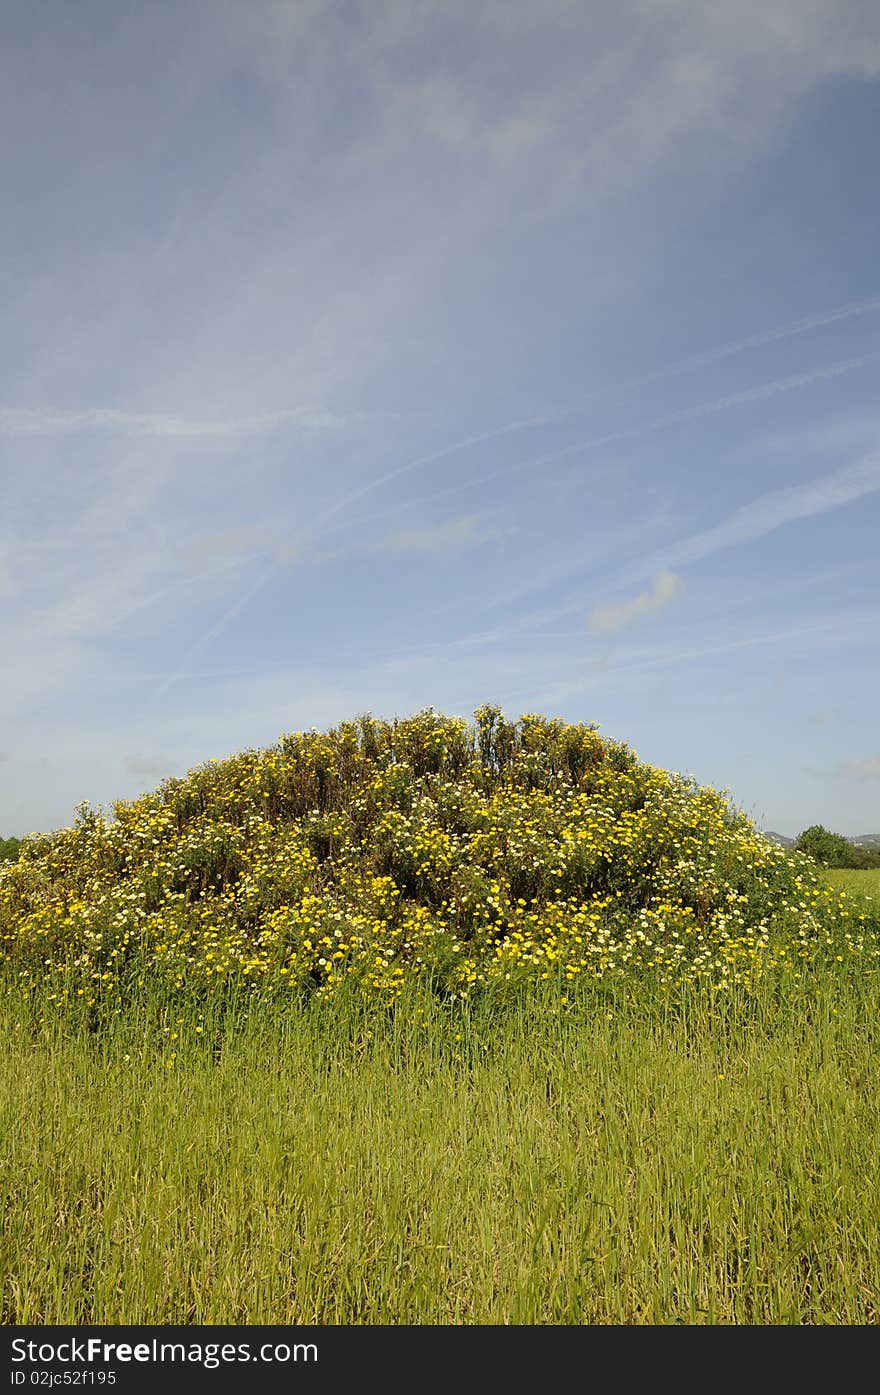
(361,357)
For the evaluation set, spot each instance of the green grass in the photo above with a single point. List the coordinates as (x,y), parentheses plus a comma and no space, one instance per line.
(857,883)
(608,1161)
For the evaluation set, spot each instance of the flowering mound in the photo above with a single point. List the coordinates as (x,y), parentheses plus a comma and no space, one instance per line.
(381,852)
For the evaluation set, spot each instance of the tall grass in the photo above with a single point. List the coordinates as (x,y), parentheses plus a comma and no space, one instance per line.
(422,1023)
(858,883)
(608,1160)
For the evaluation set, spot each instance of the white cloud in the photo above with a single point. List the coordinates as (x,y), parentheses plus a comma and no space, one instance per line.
(27,421)
(147,765)
(226,547)
(758,393)
(446,537)
(758,340)
(609,619)
(759,517)
(510,428)
(842,628)
(779,506)
(726,71)
(404,210)
(868,769)
(206,554)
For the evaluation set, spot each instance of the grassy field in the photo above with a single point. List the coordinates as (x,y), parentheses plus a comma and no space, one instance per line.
(857,884)
(429,1023)
(599,1161)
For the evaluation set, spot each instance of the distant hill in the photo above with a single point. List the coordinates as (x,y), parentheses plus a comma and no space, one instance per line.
(862,840)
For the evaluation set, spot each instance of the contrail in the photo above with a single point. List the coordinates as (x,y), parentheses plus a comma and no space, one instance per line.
(700,409)
(751,341)
(422,461)
(27,421)
(217,628)
(734,346)
(210,635)
(765,390)
(718,404)
(778,507)
(662,660)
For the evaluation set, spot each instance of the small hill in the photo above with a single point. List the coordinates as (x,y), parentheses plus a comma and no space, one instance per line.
(862,840)
(469,854)
(781,839)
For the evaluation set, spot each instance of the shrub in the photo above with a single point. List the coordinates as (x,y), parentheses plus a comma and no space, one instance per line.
(828,849)
(473,856)
(9,849)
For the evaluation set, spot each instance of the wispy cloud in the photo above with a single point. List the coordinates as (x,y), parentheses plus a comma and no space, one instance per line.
(780,506)
(836,626)
(226,547)
(460,533)
(760,516)
(760,392)
(421,461)
(766,390)
(446,537)
(759,340)
(295,548)
(203,386)
(608,619)
(701,359)
(34,421)
(147,765)
(868,769)
(206,554)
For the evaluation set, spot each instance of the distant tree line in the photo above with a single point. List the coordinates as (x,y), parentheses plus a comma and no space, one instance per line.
(9,849)
(833,850)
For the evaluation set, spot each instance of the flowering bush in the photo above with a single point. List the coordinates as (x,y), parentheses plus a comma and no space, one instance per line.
(382,852)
